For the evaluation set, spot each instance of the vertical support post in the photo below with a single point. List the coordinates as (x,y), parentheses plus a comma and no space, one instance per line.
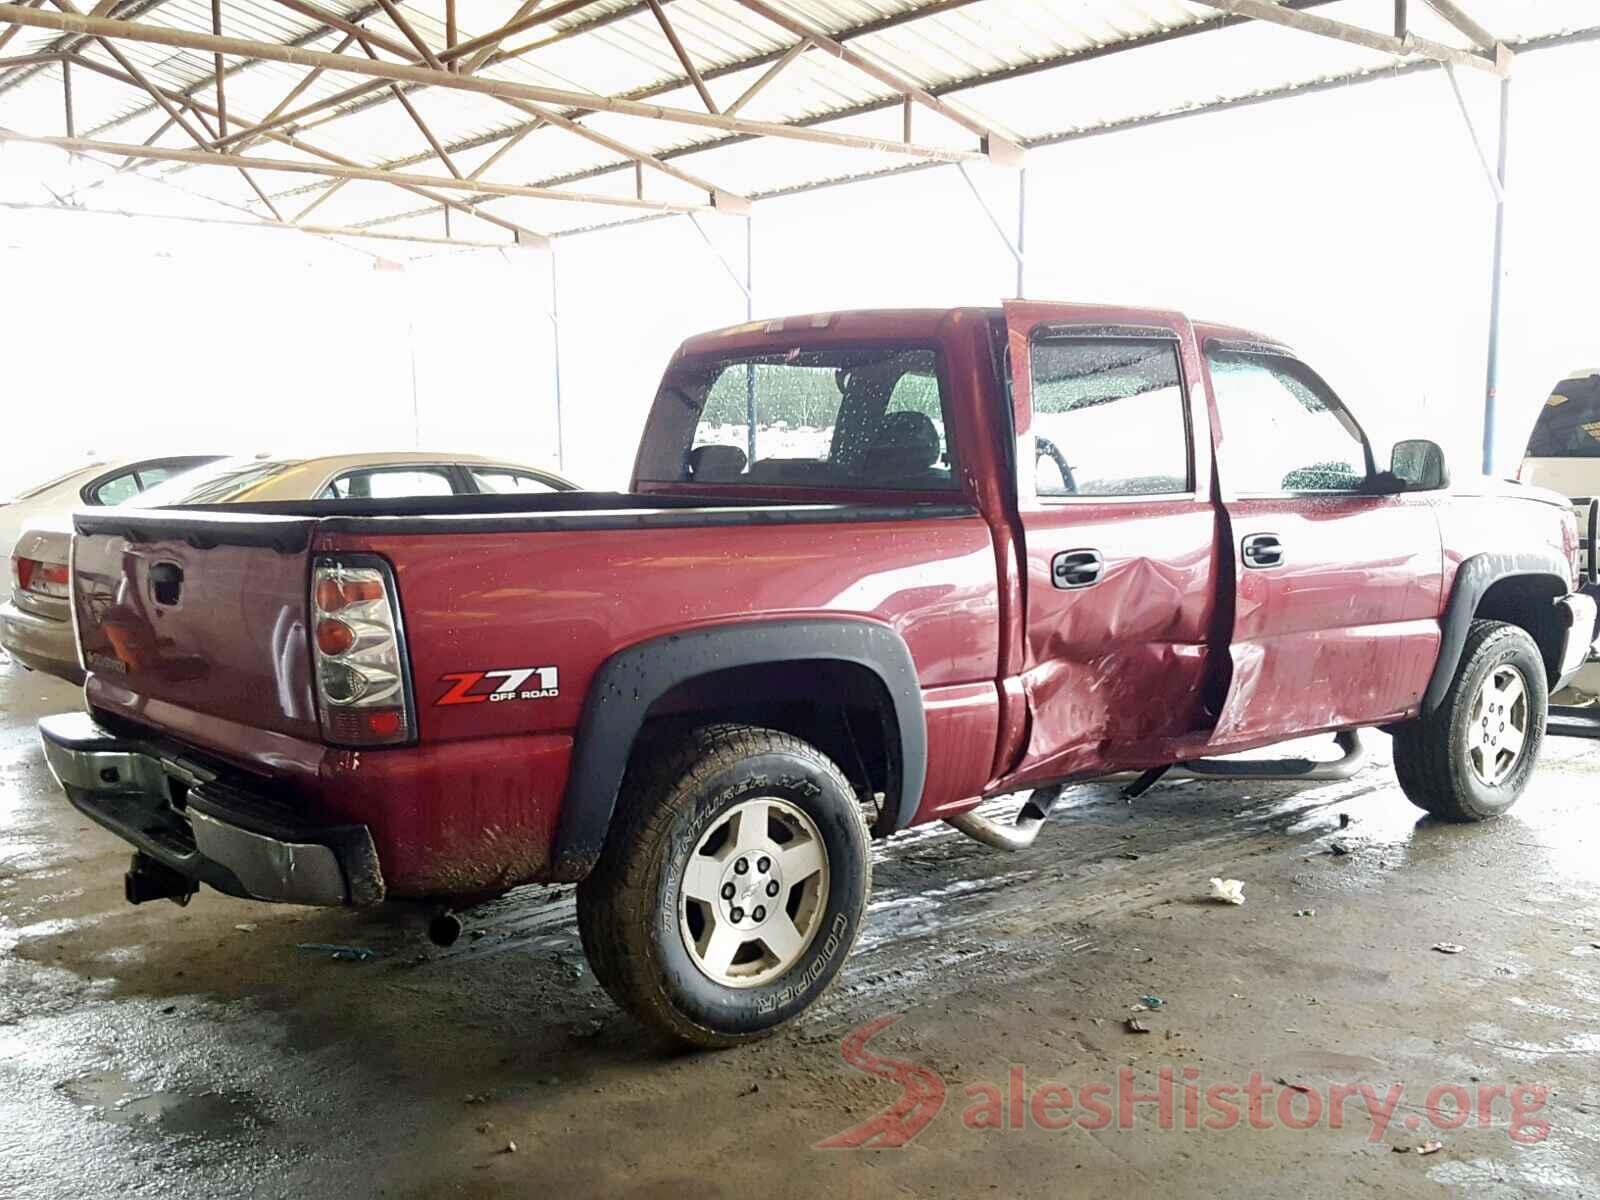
(66,96)
(1402,23)
(555,354)
(750,315)
(222,100)
(1022,233)
(1492,383)
(451,35)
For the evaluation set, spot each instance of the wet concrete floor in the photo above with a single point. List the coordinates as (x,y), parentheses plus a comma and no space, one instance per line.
(197,1052)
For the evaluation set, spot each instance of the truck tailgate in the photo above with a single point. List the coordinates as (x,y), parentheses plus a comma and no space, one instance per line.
(203,612)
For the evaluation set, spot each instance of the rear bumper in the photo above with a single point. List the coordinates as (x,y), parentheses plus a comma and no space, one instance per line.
(227,832)
(40,643)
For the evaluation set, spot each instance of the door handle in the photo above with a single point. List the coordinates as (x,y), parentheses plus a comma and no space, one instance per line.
(1075,568)
(1262,550)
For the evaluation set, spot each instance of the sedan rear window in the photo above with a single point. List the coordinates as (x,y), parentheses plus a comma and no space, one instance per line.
(1569,423)
(217,483)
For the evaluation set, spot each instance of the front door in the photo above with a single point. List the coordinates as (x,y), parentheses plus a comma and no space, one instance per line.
(1337,590)
(1121,537)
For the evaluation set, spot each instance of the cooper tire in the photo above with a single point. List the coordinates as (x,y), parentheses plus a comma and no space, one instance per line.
(725,810)
(1457,763)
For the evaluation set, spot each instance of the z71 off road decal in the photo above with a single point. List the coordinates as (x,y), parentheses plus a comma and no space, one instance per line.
(513,683)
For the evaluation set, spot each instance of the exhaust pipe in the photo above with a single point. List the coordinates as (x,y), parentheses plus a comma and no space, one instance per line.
(1019,835)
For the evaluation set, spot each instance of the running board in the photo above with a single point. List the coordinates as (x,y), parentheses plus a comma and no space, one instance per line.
(1573,721)
(1300,770)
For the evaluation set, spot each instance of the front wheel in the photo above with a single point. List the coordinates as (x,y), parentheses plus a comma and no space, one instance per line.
(732,886)
(1472,758)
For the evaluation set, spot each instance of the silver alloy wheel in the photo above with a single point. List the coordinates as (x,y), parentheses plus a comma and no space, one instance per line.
(753,892)
(1498,727)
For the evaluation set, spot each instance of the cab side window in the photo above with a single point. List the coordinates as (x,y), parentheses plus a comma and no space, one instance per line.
(1108,417)
(497,481)
(390,484)
(1283,430)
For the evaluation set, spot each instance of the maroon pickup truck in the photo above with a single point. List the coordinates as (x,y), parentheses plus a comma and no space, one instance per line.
(872,568)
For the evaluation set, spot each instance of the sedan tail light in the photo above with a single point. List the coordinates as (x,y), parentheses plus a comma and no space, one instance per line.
(358,646)
(41,578)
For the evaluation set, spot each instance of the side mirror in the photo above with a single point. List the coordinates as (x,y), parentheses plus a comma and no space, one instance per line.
(1418,466)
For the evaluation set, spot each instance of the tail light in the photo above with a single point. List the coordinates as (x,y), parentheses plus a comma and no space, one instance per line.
(41,578)
(358,646)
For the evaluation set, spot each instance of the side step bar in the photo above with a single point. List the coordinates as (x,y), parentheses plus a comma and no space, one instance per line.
(1305,770)
(1020,834)
(1573,721)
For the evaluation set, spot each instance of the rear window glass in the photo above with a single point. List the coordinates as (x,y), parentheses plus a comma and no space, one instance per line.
(1569,423)
(216,483)
(839,418)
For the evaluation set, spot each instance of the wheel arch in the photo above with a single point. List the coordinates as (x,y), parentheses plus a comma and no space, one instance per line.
(1519,589)
(754,672)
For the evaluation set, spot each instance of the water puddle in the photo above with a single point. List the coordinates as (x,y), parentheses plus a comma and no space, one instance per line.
(114,1097)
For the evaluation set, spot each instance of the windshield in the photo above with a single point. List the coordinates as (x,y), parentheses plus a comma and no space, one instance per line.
(833,417)
(216,483)
(1569,423)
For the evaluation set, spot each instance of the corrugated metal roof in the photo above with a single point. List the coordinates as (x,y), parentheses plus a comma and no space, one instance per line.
(1031,70)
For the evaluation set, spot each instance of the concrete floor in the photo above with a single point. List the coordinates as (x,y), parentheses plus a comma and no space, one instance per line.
(198,1052)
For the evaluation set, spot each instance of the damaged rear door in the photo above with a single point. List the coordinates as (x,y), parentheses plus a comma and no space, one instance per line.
(1121,535)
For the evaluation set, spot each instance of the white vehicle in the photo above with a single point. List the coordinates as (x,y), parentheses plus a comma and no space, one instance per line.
(36,529)
(377,476)
(1563,455)
(36,625)
(94,484)
(1564,448)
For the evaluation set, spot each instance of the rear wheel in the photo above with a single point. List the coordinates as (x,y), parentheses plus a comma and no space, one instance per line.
(1472,758)
(731,888)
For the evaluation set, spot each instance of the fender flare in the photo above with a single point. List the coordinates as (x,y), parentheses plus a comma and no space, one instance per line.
(633,679)
(1474,578)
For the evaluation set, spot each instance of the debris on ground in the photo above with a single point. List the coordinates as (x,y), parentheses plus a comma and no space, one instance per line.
(509,1148)
(1134,1026)
(1448,947)
(339,953)
(247,927)
(476,1098)
(751,1090)
(1151,1002)
(1305,912)
(1344,820)
(1227,891)
(1338,849)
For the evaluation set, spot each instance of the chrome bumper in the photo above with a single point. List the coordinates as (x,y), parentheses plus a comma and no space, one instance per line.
(1580,613)
(231,835)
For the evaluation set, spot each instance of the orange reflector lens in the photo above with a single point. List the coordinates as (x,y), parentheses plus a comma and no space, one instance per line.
(334,594)
(334,637)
